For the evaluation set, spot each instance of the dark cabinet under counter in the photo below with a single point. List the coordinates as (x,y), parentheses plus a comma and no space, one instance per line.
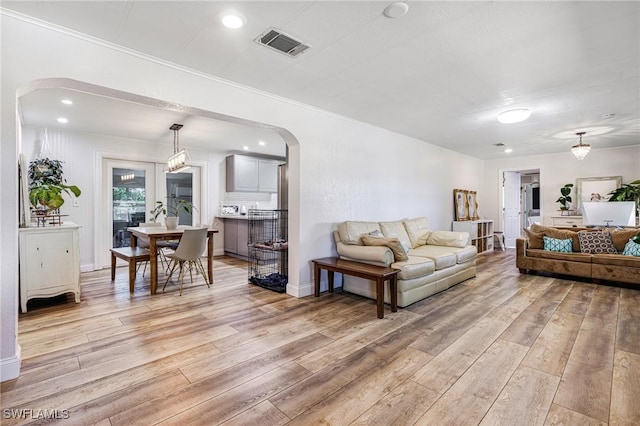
(236,237)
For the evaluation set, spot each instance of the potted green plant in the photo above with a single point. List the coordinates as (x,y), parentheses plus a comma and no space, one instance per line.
(627,192)
(47,185)
(171,212)
(565,199)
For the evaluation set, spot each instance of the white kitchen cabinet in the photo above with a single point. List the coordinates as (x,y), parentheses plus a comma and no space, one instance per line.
(480,232)
(268,172)
(251,174)
(49,262)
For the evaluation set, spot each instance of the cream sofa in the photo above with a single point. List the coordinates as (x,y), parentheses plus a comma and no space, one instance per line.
(436,260)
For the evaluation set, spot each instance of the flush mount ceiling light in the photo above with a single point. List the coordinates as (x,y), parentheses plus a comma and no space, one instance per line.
(582,149)
(514,115)
(396,10)
(67,101)
(178,161)
(233,20)
(62,120)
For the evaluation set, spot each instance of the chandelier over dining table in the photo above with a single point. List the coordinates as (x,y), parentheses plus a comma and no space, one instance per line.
(178,161)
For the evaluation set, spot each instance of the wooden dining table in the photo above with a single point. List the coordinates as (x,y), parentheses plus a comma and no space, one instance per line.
(159,233)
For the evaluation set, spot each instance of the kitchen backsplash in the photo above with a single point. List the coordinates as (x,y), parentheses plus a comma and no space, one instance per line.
(265,201)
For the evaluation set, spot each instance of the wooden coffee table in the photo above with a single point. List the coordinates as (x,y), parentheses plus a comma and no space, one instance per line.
(379,274)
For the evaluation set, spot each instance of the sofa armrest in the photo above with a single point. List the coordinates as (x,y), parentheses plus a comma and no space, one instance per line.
(376,255)
(521,247)
(448,239)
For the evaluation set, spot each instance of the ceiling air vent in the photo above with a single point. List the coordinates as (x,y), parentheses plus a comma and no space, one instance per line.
(282,42)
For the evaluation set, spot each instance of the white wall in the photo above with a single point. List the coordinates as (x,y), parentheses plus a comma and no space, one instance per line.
(339,169)
(555,171)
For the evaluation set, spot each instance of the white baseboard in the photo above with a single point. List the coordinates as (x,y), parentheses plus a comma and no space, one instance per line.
(300,290)
(87,268)
(10,367)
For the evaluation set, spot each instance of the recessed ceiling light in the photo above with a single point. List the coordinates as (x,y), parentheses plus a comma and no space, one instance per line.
(67,101)
(246,148)
(508,150)
(514,115)
(262,143)
(233,20)
(62,120)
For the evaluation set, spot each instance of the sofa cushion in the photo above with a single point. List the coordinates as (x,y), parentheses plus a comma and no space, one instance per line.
(396,230)
(572,257)
(535,239)
(462,254)
(394,244)
(444,257)
(555,244)
(351,231)
(617,260)
(448,239)
(418,230)
(596,242)
(414,267)
(631,248)
(620,237)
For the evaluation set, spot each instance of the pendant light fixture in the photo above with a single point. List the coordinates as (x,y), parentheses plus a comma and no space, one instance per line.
(582,149)
(178,161)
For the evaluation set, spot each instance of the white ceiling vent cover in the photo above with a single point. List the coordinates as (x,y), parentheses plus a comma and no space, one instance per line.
(283,43)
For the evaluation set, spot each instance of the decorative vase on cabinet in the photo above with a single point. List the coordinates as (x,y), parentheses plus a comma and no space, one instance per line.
(49,262)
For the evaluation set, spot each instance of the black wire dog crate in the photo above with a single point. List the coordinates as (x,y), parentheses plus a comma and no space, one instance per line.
(268,249)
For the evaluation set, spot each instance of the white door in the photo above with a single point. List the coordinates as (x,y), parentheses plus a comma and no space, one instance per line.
(127,197)
(511,207)
(183,186)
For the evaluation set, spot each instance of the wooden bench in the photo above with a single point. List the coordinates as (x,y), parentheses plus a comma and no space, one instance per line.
(132,256)
(379,274)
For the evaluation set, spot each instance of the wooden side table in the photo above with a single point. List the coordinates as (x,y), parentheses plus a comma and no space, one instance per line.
(379,274)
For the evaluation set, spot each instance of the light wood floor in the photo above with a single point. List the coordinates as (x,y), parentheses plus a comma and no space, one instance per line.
(502,348)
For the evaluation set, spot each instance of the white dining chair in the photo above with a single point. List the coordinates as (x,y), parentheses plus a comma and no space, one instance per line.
(145,245)
(189,251)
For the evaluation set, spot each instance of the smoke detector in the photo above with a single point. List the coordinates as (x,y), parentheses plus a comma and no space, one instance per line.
(282,42)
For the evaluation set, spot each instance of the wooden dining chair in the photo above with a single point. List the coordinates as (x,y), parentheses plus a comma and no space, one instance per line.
(189,251)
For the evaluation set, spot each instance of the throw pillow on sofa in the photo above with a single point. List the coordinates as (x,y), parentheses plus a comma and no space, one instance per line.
(535,239)
(394,244)
(596,242)
(554,244)
(631,248)
(621,236)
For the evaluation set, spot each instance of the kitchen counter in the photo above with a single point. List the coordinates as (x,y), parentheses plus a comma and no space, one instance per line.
(231,216)
(242,217)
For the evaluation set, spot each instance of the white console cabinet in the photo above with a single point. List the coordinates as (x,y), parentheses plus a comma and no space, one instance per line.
(49,262)
(566,221)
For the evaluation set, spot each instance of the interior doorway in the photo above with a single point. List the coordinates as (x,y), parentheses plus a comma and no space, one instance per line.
(520,200)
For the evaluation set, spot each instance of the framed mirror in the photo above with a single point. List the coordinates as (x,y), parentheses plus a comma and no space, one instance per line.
(595,189)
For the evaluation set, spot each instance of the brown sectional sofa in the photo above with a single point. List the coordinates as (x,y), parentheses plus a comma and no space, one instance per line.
(609,267)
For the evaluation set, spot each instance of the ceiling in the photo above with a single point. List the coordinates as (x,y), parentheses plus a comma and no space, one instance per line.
(441,73)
